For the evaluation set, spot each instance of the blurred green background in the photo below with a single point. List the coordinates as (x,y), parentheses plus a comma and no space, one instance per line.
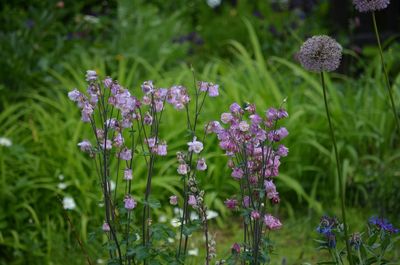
(249,48)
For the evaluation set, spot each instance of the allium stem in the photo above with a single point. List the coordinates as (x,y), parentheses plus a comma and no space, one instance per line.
(339,172)
(388,86)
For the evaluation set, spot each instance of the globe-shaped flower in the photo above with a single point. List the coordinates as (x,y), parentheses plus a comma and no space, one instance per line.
(320,53)
(370,5)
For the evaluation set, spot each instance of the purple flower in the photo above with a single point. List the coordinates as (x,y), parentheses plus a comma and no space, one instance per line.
(108,82)
(370,5)
(192,200)
(237,173)
(383,224)
(118,140)
(235,108)
(107,145)
(148,119)
(147,87)
(195,146)
(255,214)
(74,95)
(130,203)
(282,150)
(87,112)
(231,203)
(125,154)
(162,149)
(106,227)
(128,174)
(91,75)
(320,53)
(173,200)
(213,90)
(226,117)
(246,201)
(236,248)
(183,169)
(85,146)
(201,164)
(272,222)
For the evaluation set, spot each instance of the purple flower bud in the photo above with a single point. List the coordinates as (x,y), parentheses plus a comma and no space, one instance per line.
(148,119)
(162,149)
(246,201)
(282,150)
(255,215)
(173,200)
(237,173)
(226,117)
(236,248)
(213,90)
(231,203)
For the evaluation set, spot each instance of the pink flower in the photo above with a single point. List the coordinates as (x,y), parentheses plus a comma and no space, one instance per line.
(255,214)
(125,154)
(236,248)
(235,108)
(128,174)
(151,142)
(107,82)
(269,186)
(231,203)
(118,140)
(213,90)
(246,201)
(106,227)
(192,200)
(107,145)
(130,203)
(147,87)
(195,146)
(237,173)
(282,150)
(201,164)
(173,200)
(183,169)
(244,126)
(271,222)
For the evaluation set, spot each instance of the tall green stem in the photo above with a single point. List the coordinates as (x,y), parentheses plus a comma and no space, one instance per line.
(339,172)
(388,86)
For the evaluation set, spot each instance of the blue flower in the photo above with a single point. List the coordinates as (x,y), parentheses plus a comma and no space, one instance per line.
(384,224)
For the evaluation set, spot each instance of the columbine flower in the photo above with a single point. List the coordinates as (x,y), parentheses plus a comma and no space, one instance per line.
(282,150)
(69,203)
(192,200)
(85,146)
(237,173)
(130,203)
(173,200)
(370,5)
(108,82)
(231,203)
(201,164)
(271,222)
(74,95)
(148,87)
(226,117)
(195,146)
(246,201)
(236,248)
(162,149)
(320,53)
(125,154)
(183,169)
(255,214)
(62,186)
(91,75)
(106,227)
(5,142)
(244,126)
(128,174)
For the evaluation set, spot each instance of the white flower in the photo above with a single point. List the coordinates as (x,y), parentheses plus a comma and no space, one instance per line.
(162,218)
(195,146)
(213,3)
(61,177)
(5,142)
(69,203)
(112,185)
(175,222)
(62,185)
(193,252)
(211,214)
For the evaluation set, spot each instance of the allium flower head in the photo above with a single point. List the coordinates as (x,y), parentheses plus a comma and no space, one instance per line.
(320,53)
(370,5)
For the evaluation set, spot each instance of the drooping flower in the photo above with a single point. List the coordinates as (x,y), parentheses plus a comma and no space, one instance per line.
(370,5)
(74,95)
(183,169)
(69,203)
(192,200)
(106,227)
(236,248)
(162,149)
(272,222)
(255,214)
(226,117)
(128,174)
(231,203)
(108,82)
(125,154)
(91,75)
(195,146)
(147,87)
(201,164)
(173,200)
(237,173)
(85,146)
(320,53)
(129,203)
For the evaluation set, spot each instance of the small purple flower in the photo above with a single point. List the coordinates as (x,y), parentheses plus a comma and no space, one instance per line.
(148,119)
(282,150)
(107,145)
(246,201)
(235,108)
(85,146)
(231,203)
(255,214)
(74,95)
(118,140)
(236,248)
(91,75)
(272,222)
(383,224)
(183,169)
(128,174)
(226,117)
(108,82)
(237,173)
(125,154)
(213,90)
(173,200)
(195,146)
(130,203)
(106,227)
(201,164)
(192,200)
(162,149)
(356,241)
(147,87)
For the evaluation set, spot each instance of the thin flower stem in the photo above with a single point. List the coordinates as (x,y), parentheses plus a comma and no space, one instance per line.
(339,172)
(388,86)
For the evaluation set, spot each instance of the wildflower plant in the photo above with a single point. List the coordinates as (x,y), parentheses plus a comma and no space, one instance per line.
(323,54)
(251,142)
(126,129)
(368,247)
